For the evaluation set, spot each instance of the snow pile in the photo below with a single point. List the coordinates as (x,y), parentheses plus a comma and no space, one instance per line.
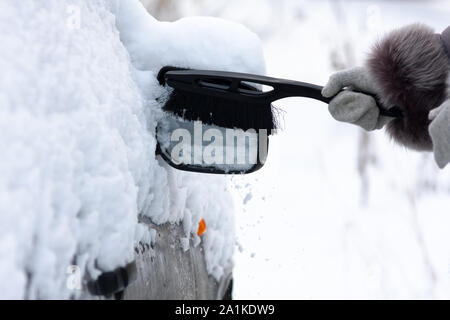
(77,125)
(193,42)
(74,147)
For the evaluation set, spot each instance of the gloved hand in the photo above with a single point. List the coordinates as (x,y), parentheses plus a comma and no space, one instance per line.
(439,130)
(354,107)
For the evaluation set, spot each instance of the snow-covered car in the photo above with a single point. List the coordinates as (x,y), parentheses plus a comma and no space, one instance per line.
(86,205)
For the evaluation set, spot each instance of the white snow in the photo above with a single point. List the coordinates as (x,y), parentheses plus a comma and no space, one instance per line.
(77,122)
(74,147)
(193,42)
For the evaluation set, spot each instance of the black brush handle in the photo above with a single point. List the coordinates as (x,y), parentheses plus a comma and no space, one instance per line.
(237,86)
(289,88)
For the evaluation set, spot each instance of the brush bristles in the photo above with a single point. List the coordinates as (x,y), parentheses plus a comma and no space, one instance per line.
(222,112)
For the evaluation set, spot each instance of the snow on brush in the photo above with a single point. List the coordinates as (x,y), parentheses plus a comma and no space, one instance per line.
(77,123)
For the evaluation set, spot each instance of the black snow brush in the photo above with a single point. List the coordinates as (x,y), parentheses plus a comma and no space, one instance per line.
(234,100)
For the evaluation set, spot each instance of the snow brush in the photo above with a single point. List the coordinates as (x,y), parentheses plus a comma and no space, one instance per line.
(232,100)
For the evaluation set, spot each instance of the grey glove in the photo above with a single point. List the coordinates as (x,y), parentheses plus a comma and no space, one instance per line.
(354,107)
(439,130)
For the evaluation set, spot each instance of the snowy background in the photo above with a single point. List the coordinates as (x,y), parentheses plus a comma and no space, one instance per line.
(336,212)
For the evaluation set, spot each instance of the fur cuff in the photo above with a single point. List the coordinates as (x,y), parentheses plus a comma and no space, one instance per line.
(410,67)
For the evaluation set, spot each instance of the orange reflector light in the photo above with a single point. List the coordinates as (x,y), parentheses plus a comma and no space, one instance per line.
(201,227)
